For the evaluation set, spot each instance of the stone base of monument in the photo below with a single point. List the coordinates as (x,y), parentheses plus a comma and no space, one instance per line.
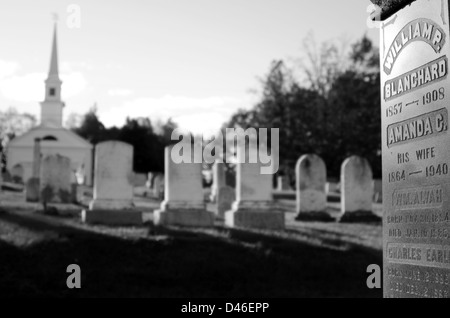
(359,217)
(105,204)
(112,217)
(183,214)
(111,212)
(315,217)
(32,190)
(254,215)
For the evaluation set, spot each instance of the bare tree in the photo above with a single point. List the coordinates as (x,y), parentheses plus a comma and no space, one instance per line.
(322,63)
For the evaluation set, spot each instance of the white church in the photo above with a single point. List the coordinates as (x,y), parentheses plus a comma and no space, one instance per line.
(55,139)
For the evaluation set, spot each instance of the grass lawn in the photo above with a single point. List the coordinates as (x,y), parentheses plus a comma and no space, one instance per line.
(306,260)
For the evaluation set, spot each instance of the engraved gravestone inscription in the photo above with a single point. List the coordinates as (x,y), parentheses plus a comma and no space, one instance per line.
(415,94)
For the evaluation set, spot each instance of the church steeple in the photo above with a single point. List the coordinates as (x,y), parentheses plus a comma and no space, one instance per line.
(53,72)
(52,106)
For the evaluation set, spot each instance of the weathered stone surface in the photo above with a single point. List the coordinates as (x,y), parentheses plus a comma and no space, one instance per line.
(356,178)
(253,207)
(311,176)
(415,151)
(55,179)
(183,204)
(113,188)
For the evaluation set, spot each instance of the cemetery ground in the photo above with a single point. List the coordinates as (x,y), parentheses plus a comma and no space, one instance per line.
(306,260)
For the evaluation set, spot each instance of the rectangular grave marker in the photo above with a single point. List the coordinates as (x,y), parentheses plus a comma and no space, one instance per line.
(113,186)
(55,179)
(184,203)
(415,94)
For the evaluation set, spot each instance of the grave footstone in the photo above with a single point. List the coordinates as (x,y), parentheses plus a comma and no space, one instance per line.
(253,207)
(55,179)
(414,51)
(32,186)
(311,176)
(184,203)
(357,191)
(113,186)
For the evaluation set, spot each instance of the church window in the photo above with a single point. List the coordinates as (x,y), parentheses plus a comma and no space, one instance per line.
(52,91)
(50,138)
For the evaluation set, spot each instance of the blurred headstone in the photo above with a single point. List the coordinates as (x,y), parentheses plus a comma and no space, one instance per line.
(55,179)
(415,101)
(183,203)
(113,186)
(253,207)
(311,175)
(357,191)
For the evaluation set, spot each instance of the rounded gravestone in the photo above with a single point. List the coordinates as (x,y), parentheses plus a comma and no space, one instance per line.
(311,176)
(357,190)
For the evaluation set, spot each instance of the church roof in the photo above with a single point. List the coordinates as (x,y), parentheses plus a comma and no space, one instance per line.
(53,137)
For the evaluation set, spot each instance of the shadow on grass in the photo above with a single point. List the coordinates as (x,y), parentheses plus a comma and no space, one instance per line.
(188,263)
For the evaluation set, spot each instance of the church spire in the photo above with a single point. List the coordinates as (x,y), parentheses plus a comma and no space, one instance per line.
(52,106)
(53,72)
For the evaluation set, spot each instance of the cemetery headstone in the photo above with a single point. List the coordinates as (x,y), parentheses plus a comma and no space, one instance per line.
(414,53)
(311,176)
(184,203)
(357,191)
(253,207)
(219,179)
(113,186)
(55,179)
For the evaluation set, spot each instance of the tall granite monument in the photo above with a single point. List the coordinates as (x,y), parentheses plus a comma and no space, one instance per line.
(415,94)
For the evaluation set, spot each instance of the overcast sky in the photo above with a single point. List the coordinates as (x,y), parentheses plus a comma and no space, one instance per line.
(192,60)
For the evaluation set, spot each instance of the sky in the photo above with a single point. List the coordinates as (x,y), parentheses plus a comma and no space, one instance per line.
(195,61)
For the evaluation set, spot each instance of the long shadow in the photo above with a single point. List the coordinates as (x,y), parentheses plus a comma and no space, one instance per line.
(187,263)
